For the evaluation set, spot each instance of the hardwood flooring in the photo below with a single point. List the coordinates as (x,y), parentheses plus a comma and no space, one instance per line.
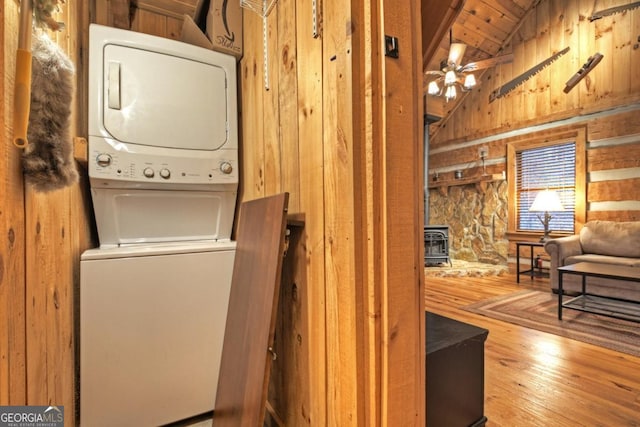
(538,379)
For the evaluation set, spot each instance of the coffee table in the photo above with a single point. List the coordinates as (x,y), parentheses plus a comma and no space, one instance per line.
(607,306)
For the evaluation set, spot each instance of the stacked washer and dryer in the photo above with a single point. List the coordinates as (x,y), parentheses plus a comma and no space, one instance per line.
(163,169)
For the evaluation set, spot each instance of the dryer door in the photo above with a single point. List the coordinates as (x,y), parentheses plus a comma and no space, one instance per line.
(162,100)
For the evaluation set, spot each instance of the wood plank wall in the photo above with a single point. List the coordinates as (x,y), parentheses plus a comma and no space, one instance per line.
(319,133)
(606,102)
(43,237)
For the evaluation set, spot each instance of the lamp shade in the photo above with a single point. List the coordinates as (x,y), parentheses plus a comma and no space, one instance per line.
(547,201)
(433,88)
(469,81)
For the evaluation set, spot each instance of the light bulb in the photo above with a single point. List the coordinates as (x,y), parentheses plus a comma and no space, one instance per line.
(450,77)
(450,93)
(433,88)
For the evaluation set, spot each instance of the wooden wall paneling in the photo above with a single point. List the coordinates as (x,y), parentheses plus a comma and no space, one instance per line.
(369,132)
(542,93)
(613,215)
(618,190)
(556,83)
(252,90)
(476,109)
(587,43)
(101,11)
(527,92)
(12,244)
(339,210)
(171,8)
(309,63)
(504,117)
(273,158)
(622,124)
(402,287)
(50,358)
(148,22)
(288,388)
(634,62)
(285,58)
(614,157)
(570,27)
(57,231)
(622,40)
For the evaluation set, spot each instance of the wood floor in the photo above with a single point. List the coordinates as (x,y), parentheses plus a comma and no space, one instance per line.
(538,379)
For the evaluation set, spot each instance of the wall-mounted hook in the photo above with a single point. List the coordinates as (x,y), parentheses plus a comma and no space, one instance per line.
(391,46)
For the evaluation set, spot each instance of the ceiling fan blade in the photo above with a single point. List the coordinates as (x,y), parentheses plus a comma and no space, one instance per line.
(456,52)
(434,73)
(487,63)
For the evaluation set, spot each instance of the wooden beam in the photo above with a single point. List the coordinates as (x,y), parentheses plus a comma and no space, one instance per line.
(437,18)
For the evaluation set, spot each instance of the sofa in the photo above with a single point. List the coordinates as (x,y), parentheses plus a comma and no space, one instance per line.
(607,242)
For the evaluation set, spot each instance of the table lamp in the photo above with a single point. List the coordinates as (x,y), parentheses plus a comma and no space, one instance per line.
(546,201)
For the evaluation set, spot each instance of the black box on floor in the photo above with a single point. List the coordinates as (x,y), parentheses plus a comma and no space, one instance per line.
(455,373)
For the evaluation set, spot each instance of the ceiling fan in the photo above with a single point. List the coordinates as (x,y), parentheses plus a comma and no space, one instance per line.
(453,74)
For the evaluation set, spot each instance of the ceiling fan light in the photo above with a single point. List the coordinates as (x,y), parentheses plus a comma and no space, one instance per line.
(450,93)
(449,78)
(433,88)
(469,81)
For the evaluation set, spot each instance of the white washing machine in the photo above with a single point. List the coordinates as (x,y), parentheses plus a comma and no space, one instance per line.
(151,331)
(163,169)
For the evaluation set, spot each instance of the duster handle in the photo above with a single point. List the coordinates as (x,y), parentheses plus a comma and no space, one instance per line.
(22,94)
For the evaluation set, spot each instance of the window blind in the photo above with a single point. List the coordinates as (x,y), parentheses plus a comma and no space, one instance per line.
(551,167)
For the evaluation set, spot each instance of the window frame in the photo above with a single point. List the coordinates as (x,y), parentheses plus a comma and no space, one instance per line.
(546,139)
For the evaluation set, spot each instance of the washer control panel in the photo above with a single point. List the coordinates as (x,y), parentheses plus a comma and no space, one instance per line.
(160,165)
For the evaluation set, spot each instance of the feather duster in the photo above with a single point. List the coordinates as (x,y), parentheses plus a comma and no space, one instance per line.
(48,161)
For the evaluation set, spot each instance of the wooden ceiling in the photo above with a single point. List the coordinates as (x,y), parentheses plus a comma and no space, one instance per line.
(485,26)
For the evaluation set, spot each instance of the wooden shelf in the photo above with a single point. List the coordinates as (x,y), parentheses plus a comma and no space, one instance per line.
(480,181)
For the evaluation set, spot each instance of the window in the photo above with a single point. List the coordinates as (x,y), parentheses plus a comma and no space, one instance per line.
(546,168)
(547,160)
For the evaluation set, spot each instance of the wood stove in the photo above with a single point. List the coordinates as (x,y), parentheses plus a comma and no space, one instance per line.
(436,244)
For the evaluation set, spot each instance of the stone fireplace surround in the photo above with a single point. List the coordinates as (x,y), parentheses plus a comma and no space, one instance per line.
(477,221)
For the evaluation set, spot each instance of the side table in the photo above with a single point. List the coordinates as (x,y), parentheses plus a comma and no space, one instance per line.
(534,270)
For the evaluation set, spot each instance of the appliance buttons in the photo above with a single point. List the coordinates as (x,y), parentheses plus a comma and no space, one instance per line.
(148,172)
(226,168)
(165,173)
(103,160)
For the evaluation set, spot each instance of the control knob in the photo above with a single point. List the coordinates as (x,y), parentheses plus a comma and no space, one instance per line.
(148,172)
(226,168)
(103,160)
(165,173)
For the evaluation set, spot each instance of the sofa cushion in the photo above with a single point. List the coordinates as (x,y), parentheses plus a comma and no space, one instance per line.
(603,259)
(611,238)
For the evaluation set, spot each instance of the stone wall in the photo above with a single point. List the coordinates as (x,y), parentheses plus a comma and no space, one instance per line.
(477,221)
